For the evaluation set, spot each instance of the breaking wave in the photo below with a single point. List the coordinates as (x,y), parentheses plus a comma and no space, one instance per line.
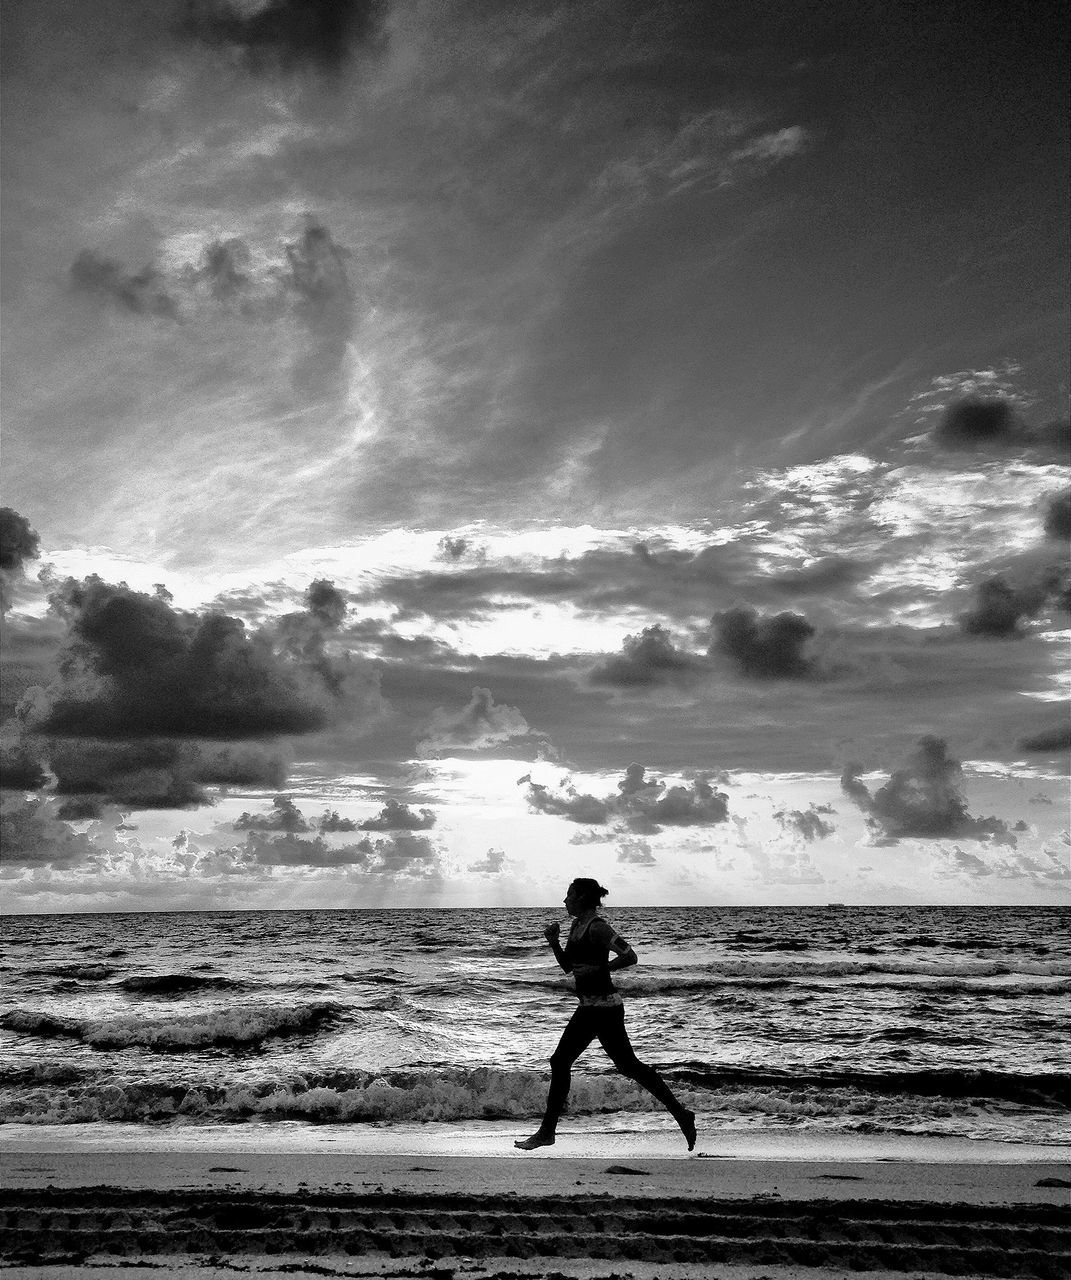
(239,1027)
(879,1105)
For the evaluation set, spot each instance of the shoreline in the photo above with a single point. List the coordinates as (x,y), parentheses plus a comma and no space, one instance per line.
(578,1138)
(586,1209)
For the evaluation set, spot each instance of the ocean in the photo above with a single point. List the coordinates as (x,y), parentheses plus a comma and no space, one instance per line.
(938,1021)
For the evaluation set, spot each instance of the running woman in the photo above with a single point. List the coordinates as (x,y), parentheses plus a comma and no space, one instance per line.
(600,1014)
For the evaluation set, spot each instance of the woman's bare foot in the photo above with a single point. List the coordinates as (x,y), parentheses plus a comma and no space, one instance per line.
(687,1124)
(538,1139)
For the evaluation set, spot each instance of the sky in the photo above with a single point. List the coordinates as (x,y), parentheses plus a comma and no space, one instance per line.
(453,447)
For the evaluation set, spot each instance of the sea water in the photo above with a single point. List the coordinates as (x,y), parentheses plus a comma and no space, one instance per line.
(936,1022)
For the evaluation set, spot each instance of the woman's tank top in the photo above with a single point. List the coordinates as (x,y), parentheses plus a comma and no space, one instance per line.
(588,943)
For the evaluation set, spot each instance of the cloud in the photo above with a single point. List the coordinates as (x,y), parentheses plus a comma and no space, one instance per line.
(158,773)
(984,420)
(290,850)
(303,284)
(31,837)
(284,816)
(1046,870)
(999,607)
(395,816)
(809,823)
(826,574)
(305,637)
(454,549)
(479,725)
(1057,738)
(21,761)
(967,863)
(330,821)
(569,803)
(648,805)
(81,809)
(643,804)
(325,603)
(976,420)
(18,544)
(134,667)
(273,35)
(647,659)
(317,277)
(793,868)
(491,864)
(923,798)
(636,853)
(1058,516)
(768,647)
(227,268)
(404,854)
(143,293)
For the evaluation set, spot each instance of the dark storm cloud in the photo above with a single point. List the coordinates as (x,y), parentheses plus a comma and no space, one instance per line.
(31,837)
(999,608)
(21,761)
(19,542)
(981,422)
(396,816)
(976,420)
(923,799)
(288,34)
(133,666)
(1056,739)
(1058,516)
(765,647)
(326,603)
(810,823)
(143,293)
(647,659)
(284,816)
(643,803)
(150,773)
(80,810)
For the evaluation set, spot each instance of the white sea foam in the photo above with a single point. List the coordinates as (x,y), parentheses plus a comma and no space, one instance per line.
(495,1094)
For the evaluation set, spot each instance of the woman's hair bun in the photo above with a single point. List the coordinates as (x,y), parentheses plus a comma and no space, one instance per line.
(588,890)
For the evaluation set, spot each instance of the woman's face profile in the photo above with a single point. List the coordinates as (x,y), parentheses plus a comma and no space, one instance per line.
(572,901)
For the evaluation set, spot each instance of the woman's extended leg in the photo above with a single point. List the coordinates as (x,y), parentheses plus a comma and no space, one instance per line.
(614,1039)
(578,1034)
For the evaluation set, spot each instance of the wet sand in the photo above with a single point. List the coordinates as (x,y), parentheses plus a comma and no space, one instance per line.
(625,1211)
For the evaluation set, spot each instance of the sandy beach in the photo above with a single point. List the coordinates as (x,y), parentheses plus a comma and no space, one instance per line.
(443,1204)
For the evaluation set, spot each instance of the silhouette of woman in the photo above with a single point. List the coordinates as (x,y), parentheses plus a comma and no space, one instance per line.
(600,1014)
